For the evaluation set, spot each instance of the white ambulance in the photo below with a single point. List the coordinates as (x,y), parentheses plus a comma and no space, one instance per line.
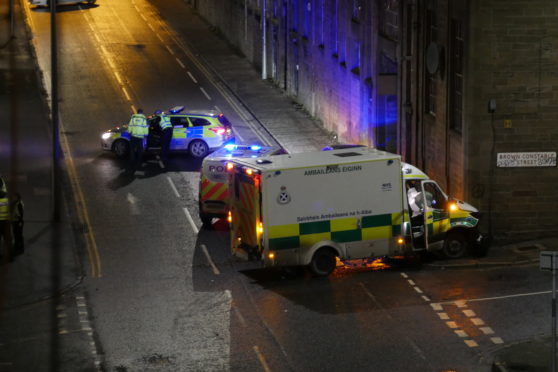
(355,203)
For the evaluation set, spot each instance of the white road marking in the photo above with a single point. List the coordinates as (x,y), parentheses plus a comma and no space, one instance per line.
(404,275)
(192,77)
(469,313)
(150,26)
(471,343)
(477,321)
(209,260)
(133,204)
(411,282)
(497,340)
(126,94)
(205,94)
(486,330)
(170,50)
(443,316)
(160,38)
(418,289)
(191,220)
(452,324)
(461,303)
(425,298)
(173,187)
(217,108)
(436,307)
(461,333)
(239,316)
(180,62)
(500,297)
(262,359)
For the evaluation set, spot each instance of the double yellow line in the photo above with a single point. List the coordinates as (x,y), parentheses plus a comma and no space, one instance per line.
(81,206)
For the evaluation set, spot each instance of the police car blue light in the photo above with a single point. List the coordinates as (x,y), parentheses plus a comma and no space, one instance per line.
(255,148)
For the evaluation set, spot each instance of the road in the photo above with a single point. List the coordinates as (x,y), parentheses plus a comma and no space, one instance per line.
(163,294)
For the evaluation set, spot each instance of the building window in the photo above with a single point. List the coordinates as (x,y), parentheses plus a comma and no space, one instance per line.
(307,15)
(321,24)
(355,58)
(456,75)
(357,10)
(431,30)
(334,27)
(295,15)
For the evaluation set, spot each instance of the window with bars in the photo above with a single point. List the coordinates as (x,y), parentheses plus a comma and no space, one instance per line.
(431,36)
(456,75)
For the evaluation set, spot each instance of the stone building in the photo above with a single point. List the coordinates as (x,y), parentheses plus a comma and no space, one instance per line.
(415,77)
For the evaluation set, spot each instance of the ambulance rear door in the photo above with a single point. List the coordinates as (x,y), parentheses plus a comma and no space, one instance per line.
(245,220)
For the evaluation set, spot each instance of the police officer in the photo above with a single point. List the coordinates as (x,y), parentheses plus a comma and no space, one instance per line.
(17,209)
(166,134)
(138,129)
(5,238)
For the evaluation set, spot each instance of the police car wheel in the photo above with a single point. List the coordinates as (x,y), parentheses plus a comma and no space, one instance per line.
(455,245)
(198,149)
(323,262)
(121,148)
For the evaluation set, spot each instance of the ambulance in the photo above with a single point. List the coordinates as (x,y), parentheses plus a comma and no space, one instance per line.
(213,187)
(309,209)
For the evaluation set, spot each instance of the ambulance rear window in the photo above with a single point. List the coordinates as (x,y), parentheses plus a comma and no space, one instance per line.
(347,154)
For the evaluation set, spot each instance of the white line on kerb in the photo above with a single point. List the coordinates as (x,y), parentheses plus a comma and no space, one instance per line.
(173,187)
(262,359)
(205,93)
(191,220)
(192,77)
(209,260)
(180,63)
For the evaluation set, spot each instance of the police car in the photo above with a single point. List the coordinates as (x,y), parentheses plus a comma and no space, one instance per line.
(195,132)
(214,188)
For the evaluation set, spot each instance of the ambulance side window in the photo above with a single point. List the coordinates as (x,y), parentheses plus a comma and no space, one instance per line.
(434,196)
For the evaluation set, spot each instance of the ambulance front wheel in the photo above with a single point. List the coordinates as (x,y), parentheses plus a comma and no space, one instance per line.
(456,245)
(323,262)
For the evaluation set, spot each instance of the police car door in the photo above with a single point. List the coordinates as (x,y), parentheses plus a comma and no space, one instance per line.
(436,216)
(179,132)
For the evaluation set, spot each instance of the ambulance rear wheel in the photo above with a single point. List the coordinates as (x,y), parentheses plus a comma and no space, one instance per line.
(323,262)
(455,245)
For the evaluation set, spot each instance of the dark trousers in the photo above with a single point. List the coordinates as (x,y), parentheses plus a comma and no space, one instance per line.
(17,231)
(166,137)
(136,153)
(5,240)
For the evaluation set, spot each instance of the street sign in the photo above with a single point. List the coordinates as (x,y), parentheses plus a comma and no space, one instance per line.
(546,260)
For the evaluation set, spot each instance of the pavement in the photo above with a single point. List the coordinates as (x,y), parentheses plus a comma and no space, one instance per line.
(50,264)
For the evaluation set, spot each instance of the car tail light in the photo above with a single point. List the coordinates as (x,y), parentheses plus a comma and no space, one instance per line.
(218,130)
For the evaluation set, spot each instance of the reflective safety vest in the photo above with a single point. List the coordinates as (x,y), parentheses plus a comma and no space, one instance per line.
(137,127)
(4,209)
(165,122)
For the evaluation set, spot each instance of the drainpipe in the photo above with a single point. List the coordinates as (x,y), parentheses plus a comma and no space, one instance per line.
(264,44)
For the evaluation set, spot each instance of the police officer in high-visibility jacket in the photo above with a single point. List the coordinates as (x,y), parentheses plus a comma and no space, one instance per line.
(138,129)
(5,236)
(166,134)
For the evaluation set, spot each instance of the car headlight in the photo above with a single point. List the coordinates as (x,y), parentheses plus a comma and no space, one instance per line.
(106,135)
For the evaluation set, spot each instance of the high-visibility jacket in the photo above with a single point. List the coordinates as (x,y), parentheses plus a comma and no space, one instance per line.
(165,122)
(137,127)
(4,209)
